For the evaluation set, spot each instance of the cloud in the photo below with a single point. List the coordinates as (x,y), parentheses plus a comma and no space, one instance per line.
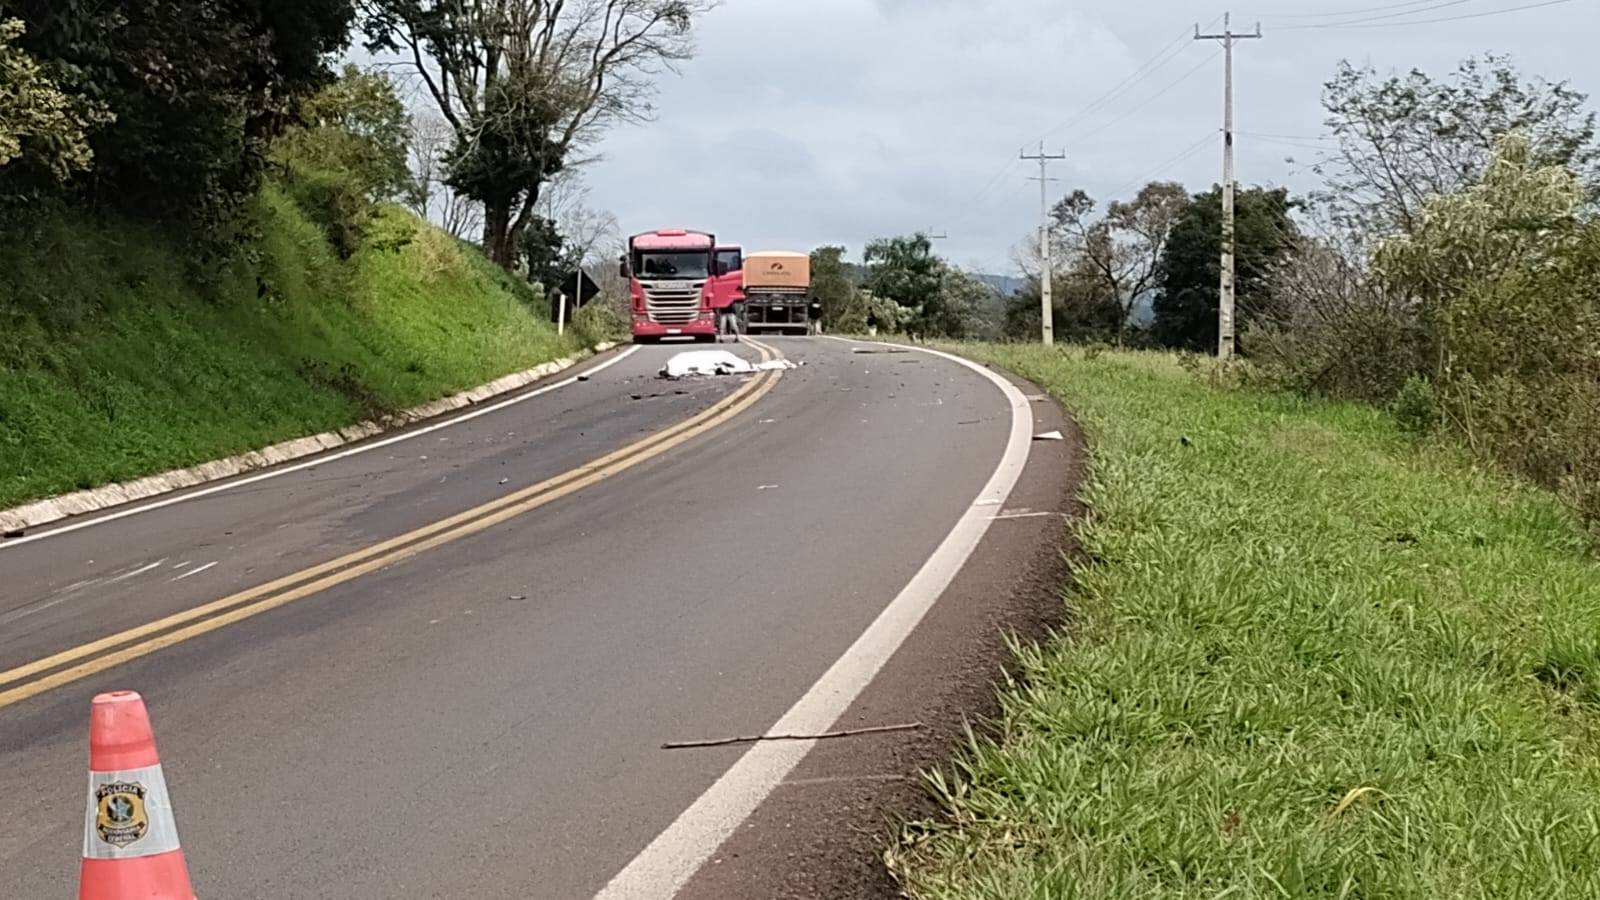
(837,121)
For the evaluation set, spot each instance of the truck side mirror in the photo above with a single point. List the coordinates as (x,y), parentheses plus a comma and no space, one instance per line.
(622,266)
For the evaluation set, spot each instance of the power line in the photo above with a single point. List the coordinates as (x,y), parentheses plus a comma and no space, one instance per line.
(1148,100)
(1184,154)
(972,201)
(1294,137)
(1481,15)
(1380,21)
(1393,15)
(1163,56)
(1345,12)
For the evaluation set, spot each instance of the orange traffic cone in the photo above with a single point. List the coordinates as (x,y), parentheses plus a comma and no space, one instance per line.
(130,841)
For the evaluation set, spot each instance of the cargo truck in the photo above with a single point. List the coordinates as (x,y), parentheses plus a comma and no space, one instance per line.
(777,293)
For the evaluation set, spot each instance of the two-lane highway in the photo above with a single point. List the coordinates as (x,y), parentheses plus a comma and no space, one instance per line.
(444,667)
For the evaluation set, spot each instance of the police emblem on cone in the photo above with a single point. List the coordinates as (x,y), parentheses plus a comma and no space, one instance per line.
(130,839)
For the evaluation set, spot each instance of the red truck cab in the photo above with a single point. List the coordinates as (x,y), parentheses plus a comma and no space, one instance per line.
(672,285)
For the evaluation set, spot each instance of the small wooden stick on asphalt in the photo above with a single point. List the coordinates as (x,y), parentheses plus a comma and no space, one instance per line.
(854,732)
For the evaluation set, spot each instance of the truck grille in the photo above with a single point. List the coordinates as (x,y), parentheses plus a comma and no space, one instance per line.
(672,302)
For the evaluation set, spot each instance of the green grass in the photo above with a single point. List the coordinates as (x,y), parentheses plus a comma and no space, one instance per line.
(1287,607)
(116,363)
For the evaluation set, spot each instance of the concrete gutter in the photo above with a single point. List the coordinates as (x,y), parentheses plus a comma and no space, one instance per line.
(51,509)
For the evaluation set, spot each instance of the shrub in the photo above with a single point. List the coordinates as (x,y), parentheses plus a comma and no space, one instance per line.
(601,319)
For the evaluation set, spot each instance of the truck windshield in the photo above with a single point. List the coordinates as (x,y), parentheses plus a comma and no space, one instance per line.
(681,264)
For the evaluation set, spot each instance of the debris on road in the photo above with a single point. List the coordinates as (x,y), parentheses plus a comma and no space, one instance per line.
(14,533)
(854,732)
(768,487)
(717,362)
(504,480)
(583,378)
(1050,436)
(878,350)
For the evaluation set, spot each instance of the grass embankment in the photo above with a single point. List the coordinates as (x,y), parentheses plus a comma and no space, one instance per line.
(1309,659)
(114,363)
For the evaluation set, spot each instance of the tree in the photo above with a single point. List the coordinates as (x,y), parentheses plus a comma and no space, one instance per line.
(1402,139)
(1189,275)
(347,155)
(431,197)
(40,121)
(1505,280)
(1122,250)
(904,271)
(835,291)
(584,230)
(198,90)
(546,254)
(965,309)
(524,82)
(356,127)
(1083,310)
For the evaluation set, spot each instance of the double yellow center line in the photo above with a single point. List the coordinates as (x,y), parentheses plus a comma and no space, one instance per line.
(79,662)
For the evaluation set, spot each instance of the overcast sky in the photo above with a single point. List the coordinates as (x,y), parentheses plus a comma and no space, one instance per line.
(803,122)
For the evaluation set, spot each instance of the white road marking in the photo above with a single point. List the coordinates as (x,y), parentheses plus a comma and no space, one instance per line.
(667,864)
(314,461)
(139,571)
(195,571)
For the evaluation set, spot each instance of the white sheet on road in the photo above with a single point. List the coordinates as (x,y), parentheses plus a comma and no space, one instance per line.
(716,362)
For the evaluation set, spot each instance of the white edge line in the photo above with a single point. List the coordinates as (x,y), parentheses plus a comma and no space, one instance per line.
(677,853)
(316,460)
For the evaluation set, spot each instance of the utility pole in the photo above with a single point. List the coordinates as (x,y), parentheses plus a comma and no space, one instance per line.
(1047,316)
(1226,295)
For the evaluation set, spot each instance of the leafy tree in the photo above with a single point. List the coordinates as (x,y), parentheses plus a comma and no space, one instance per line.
(40,121)
(835,291)
(1121,250)
(546,253)
(198,89)
(1402,139)
(904,271)
(965,309)
(1083,310)
(525,82)
(1505,280)
(1189,277)
(348,154)
(356,126)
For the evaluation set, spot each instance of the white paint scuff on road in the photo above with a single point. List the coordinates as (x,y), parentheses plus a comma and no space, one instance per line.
(667,864)
(139,571)
(195,571)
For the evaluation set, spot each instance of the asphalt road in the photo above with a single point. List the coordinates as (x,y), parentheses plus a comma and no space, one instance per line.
(483,718)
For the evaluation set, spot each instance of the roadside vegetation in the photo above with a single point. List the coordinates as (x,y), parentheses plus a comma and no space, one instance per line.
(1334,624)
(117,365)
(1309,656)
(210,240)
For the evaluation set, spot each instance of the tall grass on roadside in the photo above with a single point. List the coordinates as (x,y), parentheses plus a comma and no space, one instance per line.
(1311,659)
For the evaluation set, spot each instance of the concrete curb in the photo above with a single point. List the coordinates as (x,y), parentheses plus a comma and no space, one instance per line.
(51,509)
